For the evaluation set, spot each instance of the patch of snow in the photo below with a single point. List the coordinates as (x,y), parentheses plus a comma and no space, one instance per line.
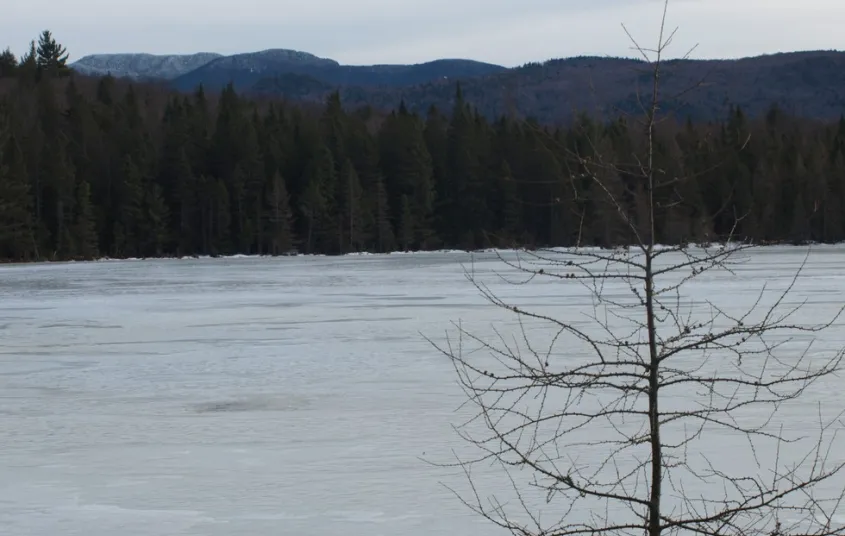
(136,66)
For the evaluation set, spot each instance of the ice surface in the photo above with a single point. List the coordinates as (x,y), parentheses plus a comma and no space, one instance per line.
(291,396)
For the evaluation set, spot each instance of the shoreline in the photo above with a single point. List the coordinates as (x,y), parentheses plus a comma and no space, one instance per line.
(555,249)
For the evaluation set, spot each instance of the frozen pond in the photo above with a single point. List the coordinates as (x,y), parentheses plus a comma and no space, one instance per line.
(291,396)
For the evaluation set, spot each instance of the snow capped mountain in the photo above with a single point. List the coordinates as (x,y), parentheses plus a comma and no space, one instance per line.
(142,66)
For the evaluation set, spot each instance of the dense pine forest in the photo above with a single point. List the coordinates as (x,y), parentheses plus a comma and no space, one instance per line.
(93,167)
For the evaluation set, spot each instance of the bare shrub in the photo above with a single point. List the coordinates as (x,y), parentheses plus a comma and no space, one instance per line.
(662,410)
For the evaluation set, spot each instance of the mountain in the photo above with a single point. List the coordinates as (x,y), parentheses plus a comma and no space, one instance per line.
(246,70)
(807,84)
(810,84)
(142,66)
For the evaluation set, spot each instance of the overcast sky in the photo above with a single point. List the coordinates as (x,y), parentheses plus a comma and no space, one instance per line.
(507,32)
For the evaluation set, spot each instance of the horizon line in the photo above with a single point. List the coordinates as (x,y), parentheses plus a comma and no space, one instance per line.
(532,62)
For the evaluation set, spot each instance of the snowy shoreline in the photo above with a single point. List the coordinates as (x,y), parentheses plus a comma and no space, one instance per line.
(813,245)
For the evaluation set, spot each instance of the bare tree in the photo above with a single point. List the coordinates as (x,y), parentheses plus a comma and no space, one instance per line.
(616,418)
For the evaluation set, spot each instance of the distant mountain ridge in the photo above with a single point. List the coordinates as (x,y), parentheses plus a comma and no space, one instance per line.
(214,71)
(142,66)
(218,73)
(809,83)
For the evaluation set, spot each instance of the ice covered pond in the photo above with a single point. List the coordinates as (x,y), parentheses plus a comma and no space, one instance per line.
(256,396)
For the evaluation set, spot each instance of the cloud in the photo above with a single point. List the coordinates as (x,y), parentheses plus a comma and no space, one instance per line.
(508,32)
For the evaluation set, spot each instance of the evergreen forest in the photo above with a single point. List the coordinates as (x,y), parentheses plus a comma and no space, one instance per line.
(94,167)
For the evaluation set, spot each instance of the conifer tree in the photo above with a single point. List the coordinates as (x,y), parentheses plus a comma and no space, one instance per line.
(154,227)
(365,161)
(317,203)
(463,211)
(383,230)
(406,224)
(84,145)
(62,189)
(800,231)
(279,217)
(129,225)
(16,233)
(27,71)
(335,130)
(221,216)
(51,57)
(351,209)
(105,90)
(254,187)
(84,225)
(188,205)
(510,209)
(834,206)
(8,64)
(408,173)
(198,132)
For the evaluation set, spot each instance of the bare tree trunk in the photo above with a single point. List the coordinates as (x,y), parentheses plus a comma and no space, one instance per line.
(654,526)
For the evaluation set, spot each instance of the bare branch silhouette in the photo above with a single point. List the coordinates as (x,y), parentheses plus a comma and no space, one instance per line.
(608,415)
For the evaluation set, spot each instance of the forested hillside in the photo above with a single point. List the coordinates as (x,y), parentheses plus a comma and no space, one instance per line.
(806,84)
(97,167)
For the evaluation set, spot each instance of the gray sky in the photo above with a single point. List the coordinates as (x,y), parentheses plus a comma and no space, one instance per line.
(507,32)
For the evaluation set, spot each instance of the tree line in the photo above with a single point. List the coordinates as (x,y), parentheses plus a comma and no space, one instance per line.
(100,167)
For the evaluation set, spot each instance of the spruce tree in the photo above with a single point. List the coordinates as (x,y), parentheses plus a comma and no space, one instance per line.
(16,234)
(254,188)
(130,225)
(834,213)
(27,70)
(317,204)
(406,224)
(188,212)
(8,64)
(510,215)
(154,225)
(221,216)
(64,190)
(350,203)
(384,235)
(408,173)
(84,226)
(334,126)
(279,217)
(462,212)
(51,57)
(365,161)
